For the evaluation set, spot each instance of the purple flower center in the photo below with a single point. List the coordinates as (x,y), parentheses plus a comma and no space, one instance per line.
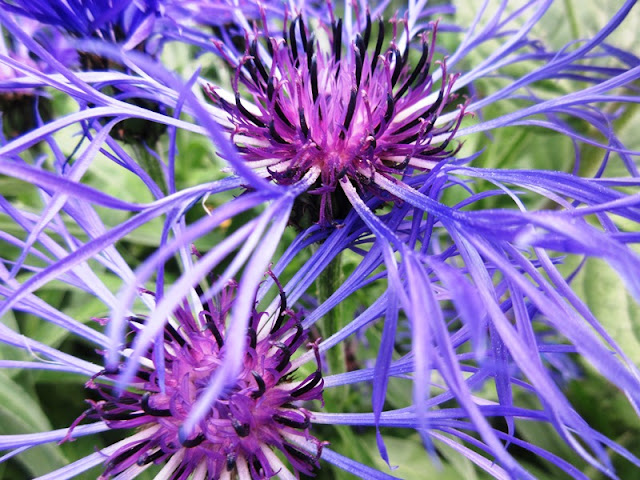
(262,410)
(310,107)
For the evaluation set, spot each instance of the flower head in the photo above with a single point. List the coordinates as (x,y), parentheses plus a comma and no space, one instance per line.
(338,109)
(261,410)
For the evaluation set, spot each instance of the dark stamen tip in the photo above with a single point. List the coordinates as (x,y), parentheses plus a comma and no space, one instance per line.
(337,40)
(310,51)
(261,385)
(303,128)
(274,133)
(270,88)
(358,74)
(282,420)
(388,114)
(144,403)
(297,335)
(253,338)
(391,105)
(270,43)
(278,323)
(303,32)
(281,115)
(299,455)
(252,118)
(398,67)
(149,458)
(216,333)
(242,429)
(294,43)
(231,461)
(367,31)
(359,43)
(257,466)
(122,416)
(286,355)
(405,163)
(351,109)
(305,387)
(416,72)
(169,330)
(113,463)
(374,60)
(190,443)
(257,62)
(313,73)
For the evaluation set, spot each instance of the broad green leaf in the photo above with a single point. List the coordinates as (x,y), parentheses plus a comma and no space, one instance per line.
(19,414)
(604,293)
(414,463)
(8,352)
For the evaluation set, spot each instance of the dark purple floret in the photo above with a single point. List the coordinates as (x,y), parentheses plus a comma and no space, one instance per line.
(262,411)
(304,105)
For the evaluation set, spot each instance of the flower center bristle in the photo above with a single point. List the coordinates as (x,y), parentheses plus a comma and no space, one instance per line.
(332,109)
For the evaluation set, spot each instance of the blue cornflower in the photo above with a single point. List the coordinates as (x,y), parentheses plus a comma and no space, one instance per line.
(114,21)
(140,24)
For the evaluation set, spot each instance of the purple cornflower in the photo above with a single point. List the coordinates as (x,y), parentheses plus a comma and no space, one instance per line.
(262,410)
(318,109)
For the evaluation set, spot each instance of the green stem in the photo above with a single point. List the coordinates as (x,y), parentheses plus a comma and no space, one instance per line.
(573,21)
(150,165)
(328,282)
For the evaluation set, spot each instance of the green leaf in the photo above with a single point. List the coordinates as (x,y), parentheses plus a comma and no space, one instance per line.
(414,463)
(8,352)
(604,293)
(19,414)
